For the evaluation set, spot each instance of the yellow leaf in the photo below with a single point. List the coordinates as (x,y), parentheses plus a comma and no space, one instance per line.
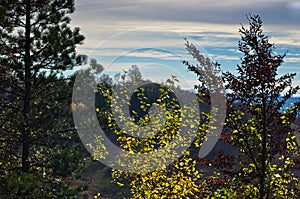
(120,184)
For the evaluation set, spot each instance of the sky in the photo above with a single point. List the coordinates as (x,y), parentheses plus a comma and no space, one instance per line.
(150,34)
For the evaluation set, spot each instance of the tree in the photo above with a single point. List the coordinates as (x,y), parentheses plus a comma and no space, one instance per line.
(180,178)
(134,73)
(38,143)
(257,123)
(149,139)
(213,101)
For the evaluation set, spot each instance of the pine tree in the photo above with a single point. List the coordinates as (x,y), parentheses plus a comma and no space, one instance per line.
(38,150)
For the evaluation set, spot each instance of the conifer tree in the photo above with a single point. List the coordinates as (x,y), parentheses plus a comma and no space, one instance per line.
(38,150)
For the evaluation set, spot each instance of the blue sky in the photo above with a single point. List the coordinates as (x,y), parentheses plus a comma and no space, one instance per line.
(150,33)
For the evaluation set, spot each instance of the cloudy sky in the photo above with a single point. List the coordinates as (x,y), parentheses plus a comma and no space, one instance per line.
(150,34)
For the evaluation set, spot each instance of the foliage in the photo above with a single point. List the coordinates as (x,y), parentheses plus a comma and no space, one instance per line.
(212,91)
(180,179)
(39,145)
(150,103)
(257,123)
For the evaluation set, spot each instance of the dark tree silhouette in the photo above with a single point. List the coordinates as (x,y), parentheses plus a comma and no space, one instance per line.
(258,124)
(38,148)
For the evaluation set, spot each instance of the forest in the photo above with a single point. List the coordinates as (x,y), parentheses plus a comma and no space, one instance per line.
(91,135)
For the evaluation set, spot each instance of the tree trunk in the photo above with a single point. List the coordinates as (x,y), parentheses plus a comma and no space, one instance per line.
(262,191)
(27,93)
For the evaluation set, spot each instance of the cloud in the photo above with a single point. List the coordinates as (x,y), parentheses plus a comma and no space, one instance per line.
(293,59)
(292,41)
(230,11)
(294,10)
(162,24)
(154,53)
(226,57)
(296,83)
